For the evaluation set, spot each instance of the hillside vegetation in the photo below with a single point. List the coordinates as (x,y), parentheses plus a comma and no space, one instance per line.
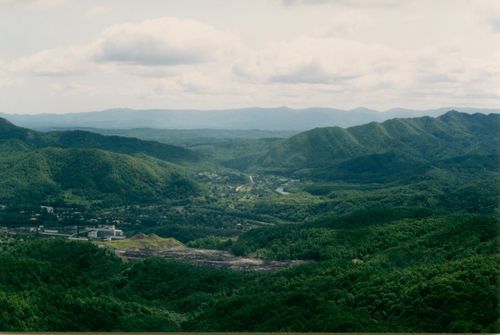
(404,274)
(72,167)
(85,139)
(394,226)
(59,175)
(393,148)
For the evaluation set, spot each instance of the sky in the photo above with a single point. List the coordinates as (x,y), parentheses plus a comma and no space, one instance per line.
(65,56)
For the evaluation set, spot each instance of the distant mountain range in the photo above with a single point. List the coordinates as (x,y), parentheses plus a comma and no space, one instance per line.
(279,119)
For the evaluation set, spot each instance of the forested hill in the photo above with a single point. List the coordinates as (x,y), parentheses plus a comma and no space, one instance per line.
(394,144)
(82,168)
(84,139)
(10,131)
(87,176)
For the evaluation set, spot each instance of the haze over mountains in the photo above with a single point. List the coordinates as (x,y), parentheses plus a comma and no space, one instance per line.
(278,119)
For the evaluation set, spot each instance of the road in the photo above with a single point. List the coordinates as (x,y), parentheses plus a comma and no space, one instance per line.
(281,190)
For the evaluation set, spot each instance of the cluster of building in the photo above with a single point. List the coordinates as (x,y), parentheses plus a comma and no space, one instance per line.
(101,232)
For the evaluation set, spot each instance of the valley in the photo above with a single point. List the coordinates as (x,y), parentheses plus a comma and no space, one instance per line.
(261,167)
(376,227)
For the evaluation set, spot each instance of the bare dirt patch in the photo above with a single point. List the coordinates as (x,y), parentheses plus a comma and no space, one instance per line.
(205,257)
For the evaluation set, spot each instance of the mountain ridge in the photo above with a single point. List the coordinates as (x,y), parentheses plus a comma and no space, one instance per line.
(86,139)
(276,118)
(416,140)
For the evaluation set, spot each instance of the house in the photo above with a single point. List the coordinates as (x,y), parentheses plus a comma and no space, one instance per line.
(106,233)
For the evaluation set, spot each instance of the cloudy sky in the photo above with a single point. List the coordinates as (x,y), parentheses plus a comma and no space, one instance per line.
(59,56)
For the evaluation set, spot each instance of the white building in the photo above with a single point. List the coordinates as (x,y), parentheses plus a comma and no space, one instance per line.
(106,233)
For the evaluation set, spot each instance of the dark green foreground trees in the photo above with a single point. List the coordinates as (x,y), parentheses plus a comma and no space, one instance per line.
(399,274)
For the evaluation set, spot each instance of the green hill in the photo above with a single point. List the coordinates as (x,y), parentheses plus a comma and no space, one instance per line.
(397,146)
(126,145)
(10,131)
(84,139)
(83,167)
(88,174)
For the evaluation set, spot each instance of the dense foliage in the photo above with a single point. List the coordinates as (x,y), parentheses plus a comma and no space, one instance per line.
(394,227)
(85,139)
(82,167)
(76,175)
(401,274)
(385,151)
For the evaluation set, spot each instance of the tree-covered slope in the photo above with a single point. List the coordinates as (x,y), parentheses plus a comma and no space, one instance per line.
(77,166)
(126,145)
(401,273)
(395,237)
(397,145)
(84,139)
(56,174)
(12,132)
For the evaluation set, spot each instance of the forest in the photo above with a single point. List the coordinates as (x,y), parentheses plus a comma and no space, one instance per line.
(393,227)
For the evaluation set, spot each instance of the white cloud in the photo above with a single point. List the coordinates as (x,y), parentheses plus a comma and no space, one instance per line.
(495,25)
(35,4)
(152,48)
(163,41)
(5,78)
(312,73)
(315,60)
(71,88)
(349,3)
(98,10)
(350,55)
(56,62)
(339,67)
